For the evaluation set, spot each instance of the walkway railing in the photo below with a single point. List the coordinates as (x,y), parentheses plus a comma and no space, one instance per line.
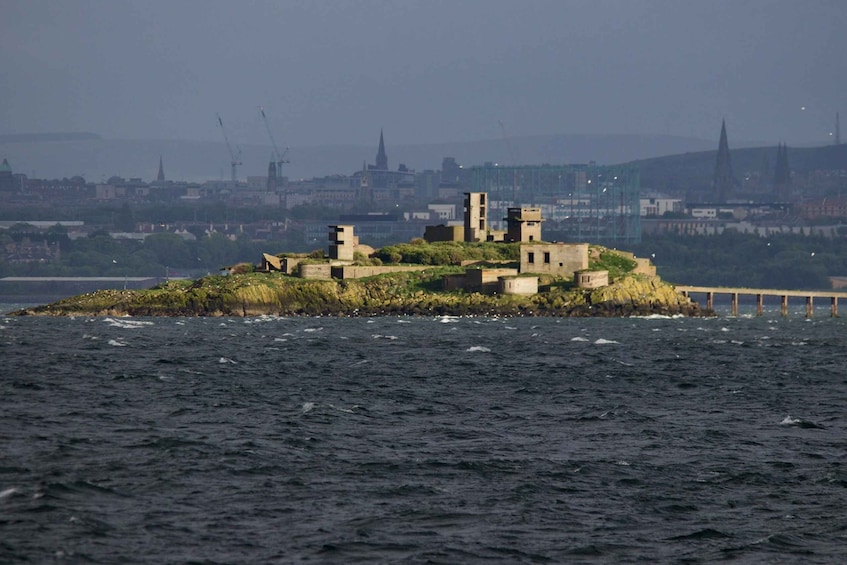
(760,293)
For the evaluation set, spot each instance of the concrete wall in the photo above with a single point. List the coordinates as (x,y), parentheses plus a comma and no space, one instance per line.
(644,267)
(270,263)
(560,259)
(476,216)
(524,224)
(357,272)
(315,271)
(289,265)
(591,279)
(486,280)
(454,282)
(518,285)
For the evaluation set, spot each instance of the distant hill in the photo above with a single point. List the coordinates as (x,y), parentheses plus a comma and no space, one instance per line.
(95,158)
(37,137)
(667,163)
(693,171)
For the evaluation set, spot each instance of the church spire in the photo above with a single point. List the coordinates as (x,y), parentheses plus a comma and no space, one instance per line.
(381,157)
(160,177)
(724,180)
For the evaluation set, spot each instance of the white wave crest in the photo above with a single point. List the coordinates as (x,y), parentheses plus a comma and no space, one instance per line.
(478,348)
(308,407)
(224,360)
(578,338)
(347,410)
(116,343)
(602,341)
(8,492)
(126,324)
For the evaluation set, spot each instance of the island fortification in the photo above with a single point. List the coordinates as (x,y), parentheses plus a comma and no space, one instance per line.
(510,273)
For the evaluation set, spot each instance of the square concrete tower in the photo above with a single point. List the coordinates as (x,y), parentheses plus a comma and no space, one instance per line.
(343,242)
(476,216)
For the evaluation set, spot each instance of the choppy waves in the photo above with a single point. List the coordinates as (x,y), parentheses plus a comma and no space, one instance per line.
(422,439)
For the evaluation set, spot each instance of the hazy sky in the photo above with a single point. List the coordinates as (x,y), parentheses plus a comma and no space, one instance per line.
(426,71)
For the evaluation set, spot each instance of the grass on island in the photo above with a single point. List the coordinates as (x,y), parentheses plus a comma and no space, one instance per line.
(407,292)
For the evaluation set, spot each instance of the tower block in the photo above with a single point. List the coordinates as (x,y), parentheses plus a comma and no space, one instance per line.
(476,216)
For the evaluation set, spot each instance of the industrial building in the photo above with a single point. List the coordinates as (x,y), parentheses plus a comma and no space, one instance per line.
(591,203)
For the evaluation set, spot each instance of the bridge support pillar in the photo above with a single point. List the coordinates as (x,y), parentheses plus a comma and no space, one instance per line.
(760,304)
(810,306)
(735,304)
(784,305)
(833,307)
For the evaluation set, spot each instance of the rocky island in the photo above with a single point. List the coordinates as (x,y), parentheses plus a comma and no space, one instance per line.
(419,278)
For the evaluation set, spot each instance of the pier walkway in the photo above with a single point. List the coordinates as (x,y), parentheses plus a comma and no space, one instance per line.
(761,293)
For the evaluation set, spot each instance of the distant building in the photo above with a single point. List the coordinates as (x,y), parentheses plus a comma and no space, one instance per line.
(377,184)
(657,206)
(381,157)
(272,173)
(6,178)
(724,183)
(586,202)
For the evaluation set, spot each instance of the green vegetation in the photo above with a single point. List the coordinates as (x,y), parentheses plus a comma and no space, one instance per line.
(406,293)
(419,252)
(402,293)
(618,264)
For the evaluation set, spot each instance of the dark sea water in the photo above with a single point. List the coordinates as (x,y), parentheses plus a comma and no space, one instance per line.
(423,440)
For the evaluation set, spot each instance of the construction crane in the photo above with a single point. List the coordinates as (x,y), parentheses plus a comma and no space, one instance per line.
(279,157)
(234,156)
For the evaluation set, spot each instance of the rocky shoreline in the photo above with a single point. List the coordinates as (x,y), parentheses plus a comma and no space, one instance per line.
(398,294)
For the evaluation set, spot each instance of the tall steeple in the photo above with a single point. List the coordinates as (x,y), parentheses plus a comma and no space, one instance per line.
(724,180)
(381,157)
(160,177)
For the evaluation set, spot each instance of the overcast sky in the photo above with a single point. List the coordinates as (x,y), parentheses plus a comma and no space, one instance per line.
(331,72)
